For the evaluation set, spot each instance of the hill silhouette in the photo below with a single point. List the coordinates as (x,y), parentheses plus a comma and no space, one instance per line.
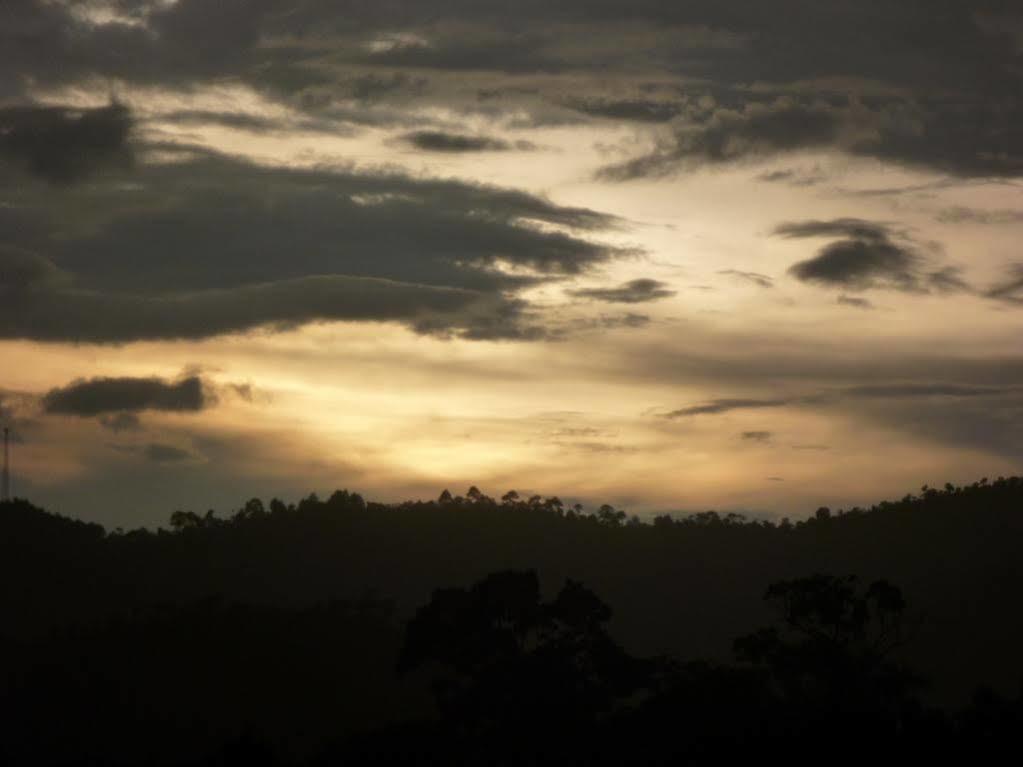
(275,632)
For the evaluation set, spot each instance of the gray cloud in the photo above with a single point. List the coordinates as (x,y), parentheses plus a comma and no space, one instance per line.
(63,145)
(637,110)
(718,406)
(856,302)
(159,453)
(439,141)
(121,422)
(837,396)
(963,215)
(924,133)
(891,391)
(867,255)
(95,317)
(760,280)
(102,396)
(213,246)
(785,76)
(757,436)
(794,176)
(632,292)
(1010,290)
(757,130)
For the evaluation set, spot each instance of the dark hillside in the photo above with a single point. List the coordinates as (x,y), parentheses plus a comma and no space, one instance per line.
(685,587)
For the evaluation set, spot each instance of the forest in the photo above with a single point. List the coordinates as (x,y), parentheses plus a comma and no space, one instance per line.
(513,630)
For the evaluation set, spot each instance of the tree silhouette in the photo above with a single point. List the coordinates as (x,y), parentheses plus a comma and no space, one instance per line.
(514,662)
(833,652)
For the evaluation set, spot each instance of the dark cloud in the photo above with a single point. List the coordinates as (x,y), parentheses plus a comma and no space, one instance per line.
(121,422)
(160,453)
(836,397)
(372,86)
(718,406)
(632,292)
(793,177)
(757,436)
(974,415)
(627,320)
(963,215)
(867,255)
(439,141)
(210,246)
(22,271)
(760,280)
(757,130)
(103,396)
(1010,290)
(861,264)
(63,145)
(856,302)
(948,279)
(236,120)
(891,391)
(863,78)
(918,133)
(637,110)
(95,317)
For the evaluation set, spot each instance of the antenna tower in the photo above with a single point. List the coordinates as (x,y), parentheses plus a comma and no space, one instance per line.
(5,487)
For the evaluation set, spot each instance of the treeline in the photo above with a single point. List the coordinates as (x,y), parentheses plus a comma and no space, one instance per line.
(288,619)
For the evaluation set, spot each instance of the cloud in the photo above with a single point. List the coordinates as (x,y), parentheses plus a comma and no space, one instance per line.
(1010,290)
(856,302)
(718,406)
(769,79)
(890,391)
(761,280)
(632,292)
(212,246)
(867,255)
(928,133)
(638,110)
(964,215)
(94,317)
(438,141)
(757,130)
(22,271)
(918,391)
(794,176)
(63,145)
(102,396)
(160,453)
(121,422)
(757,436)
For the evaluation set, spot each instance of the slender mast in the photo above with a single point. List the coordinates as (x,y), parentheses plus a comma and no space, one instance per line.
(5,490)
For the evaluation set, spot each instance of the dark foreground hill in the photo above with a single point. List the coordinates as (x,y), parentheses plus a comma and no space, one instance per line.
(284,623)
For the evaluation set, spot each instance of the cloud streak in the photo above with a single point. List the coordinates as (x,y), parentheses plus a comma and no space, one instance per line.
(439,141)
(632,292)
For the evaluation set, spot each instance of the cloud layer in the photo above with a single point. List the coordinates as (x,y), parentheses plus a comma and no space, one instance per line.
(210,246)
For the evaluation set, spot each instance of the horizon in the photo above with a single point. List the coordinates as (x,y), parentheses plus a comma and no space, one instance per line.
(705,255)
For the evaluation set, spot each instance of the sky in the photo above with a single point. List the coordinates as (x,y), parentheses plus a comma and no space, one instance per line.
(728,254)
